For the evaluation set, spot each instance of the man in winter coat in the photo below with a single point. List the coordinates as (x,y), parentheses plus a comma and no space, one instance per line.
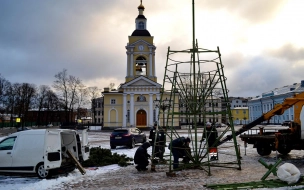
(152,139)
(157,141)
(141,157)
(210,133)
(180,148)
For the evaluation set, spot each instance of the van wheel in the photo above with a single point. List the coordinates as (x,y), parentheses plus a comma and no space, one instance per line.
(41,172)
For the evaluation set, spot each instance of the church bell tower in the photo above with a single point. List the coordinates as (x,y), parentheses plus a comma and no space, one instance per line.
(140,50)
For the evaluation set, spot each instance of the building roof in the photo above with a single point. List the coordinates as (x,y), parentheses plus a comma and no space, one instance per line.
(141,17)
(240,108)
(141,33)
(296,87)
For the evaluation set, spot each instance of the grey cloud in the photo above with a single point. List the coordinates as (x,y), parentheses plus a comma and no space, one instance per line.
(40,38)
(253,11)
(288,52)
(260,74)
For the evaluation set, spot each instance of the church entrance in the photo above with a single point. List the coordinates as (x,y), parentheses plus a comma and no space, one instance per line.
(141,118)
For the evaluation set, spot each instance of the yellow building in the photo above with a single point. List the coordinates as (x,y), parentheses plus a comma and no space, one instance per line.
(132,104)
(240,115)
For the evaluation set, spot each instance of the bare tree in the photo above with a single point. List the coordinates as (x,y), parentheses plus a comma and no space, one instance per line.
(81,99)
(74,85)
(11,97)
(40,100)
(25,94)
(93,93)
(111,86)
(4,86)
(46,100)
(67,86)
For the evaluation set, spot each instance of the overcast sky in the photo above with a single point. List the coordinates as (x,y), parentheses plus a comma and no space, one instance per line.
(261,41)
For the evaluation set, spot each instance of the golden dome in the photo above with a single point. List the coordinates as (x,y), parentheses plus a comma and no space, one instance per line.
(141,6)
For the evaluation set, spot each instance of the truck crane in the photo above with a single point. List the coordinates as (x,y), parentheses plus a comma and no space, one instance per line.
(283,140)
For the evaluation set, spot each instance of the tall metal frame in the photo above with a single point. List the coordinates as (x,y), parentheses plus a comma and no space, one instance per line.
(198,94)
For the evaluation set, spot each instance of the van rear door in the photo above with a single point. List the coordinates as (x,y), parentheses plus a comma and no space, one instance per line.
(85,148)
(52,149)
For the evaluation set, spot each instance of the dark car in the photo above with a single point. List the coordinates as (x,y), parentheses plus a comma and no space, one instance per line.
(127,137)
(286,123)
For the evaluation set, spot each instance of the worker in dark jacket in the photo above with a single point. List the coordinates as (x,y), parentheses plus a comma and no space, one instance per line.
(141,157)
(154,139)
(157,141)
(210,133)
(179,148)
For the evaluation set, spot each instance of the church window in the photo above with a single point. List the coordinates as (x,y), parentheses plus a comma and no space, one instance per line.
(141,98)
(141,25)
(113,101)
(141,66)
(128,115)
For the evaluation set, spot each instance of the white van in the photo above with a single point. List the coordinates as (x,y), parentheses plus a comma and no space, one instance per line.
(42,151)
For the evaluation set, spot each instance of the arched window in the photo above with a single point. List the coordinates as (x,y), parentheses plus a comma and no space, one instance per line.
(141,66)
(141,98)
(141,25)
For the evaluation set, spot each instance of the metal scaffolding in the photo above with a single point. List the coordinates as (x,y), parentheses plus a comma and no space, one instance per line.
(194,93)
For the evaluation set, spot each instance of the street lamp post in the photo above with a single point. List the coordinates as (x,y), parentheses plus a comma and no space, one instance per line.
(163,105)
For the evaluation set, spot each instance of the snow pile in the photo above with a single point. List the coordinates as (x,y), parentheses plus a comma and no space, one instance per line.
(25,183)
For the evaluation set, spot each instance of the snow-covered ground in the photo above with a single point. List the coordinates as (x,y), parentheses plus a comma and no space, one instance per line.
(96,139)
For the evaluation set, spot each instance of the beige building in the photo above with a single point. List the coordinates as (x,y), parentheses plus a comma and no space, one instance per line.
(132,104)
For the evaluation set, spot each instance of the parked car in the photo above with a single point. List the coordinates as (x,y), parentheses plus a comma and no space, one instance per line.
(23,129)
(43,151)
(286,123)
(127,137)
(49,125)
